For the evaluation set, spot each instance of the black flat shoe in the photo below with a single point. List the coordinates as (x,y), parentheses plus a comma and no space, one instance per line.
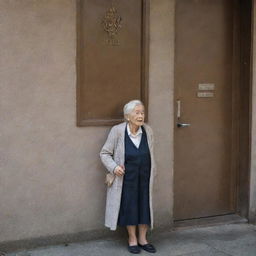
(148,248)
(134,249)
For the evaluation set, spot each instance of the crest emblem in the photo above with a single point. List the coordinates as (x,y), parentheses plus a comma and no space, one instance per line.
(111,24)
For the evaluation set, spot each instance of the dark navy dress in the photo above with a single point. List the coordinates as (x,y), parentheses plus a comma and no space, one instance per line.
(134,208)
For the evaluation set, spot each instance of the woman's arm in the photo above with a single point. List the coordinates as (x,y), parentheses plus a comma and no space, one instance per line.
(107,151)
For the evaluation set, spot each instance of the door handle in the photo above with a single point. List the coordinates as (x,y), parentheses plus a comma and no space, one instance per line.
(180,125)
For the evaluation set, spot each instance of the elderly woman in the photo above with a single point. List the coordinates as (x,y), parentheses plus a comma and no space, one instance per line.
(128,154)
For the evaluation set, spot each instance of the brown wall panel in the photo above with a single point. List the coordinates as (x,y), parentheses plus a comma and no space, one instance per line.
(111,68)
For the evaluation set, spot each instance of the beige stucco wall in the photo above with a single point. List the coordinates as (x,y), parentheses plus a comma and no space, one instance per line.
(161,80)
(51,179)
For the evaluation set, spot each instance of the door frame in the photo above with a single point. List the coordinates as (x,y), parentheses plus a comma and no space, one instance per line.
(252,160)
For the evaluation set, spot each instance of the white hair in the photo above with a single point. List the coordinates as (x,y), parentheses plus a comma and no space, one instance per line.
(129,107)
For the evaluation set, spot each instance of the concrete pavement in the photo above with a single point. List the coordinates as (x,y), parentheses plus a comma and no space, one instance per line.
(221,240)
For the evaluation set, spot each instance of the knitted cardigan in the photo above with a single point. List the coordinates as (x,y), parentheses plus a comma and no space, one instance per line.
(113,154)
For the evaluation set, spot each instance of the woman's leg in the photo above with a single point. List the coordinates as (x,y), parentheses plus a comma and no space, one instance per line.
(143,233)
(132,235)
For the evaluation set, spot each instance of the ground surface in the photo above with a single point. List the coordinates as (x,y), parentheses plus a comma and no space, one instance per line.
(222,240)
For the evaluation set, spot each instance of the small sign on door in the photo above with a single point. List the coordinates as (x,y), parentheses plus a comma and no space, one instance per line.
(206,87)
(205,94)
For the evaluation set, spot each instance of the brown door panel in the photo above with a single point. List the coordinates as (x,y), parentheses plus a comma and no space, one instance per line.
(203,58)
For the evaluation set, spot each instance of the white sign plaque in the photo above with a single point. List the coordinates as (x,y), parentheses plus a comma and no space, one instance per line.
(205,94)
(206,87)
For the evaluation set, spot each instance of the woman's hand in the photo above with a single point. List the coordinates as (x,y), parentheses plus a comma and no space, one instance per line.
(119,170)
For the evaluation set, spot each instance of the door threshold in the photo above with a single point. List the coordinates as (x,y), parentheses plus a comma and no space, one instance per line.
(209,221)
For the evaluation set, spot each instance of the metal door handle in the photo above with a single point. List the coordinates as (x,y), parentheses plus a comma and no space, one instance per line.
(180,125)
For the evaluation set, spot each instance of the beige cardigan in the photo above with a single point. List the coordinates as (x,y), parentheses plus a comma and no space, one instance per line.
(113,154)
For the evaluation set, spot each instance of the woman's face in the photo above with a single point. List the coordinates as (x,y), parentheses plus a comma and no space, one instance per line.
(137,116)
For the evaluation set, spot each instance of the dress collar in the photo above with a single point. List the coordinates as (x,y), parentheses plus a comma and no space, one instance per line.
(130,133)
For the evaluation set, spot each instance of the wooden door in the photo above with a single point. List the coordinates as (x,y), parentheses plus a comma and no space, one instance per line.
(204,181)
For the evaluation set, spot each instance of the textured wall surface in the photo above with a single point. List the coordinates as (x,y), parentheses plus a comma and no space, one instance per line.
(252,192)
(51,179)
(161,77)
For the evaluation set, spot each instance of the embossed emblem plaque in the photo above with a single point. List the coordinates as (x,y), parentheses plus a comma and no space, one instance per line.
(111,24)
(112,52)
